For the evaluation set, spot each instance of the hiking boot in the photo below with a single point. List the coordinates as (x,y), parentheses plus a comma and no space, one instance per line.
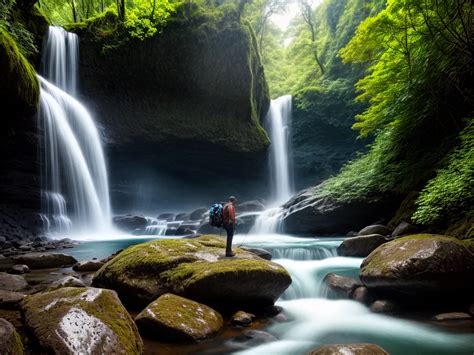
(229,255)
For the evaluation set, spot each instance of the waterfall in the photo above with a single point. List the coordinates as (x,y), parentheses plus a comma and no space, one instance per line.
(74,176)
(59,62)
(278,118)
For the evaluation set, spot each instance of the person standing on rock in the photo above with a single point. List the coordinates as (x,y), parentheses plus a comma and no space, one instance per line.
(228,218)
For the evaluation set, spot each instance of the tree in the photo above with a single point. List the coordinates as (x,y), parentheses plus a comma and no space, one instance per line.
(307,12)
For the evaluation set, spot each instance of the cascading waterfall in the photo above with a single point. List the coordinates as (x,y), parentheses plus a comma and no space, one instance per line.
(75,183)
(60,60)
(278,119)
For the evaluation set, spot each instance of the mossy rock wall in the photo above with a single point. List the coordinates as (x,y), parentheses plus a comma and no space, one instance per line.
(19,169)
(189,100)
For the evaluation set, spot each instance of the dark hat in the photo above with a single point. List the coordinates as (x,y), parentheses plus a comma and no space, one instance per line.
(232,199)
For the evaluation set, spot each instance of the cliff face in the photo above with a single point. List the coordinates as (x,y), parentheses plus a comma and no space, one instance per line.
(185,104)
(19,168)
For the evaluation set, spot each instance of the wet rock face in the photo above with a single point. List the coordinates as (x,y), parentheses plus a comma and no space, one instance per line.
(173,318)
(81,320)
(10,342)
(349,349)
(423,265)
(242,318)
(361,246)
(309,212)
(45,260)
(341,286)
(194,268)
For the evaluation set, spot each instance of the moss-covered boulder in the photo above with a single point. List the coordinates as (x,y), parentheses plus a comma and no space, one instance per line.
(10,342)
(425,265)
(174,318)
(193,268)
(81,321)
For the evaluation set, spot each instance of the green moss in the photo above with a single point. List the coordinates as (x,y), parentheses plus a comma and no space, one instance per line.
(19,81)
(178,318)
(105,307)
(377,261)
(148,270)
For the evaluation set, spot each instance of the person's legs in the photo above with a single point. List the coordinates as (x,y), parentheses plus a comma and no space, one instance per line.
(230,235)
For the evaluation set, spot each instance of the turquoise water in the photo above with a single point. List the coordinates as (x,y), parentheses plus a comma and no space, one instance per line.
(313,319)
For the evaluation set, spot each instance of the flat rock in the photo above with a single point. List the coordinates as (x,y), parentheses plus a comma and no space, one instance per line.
(177,319)
(361,246)
(67,281)
(341,286)
(423,265)
(10,298)
(81,321)
(10,342)
(349,349)
(375,229)
(263,253)
(242,318)
(45,260)
(12,282)
(88,265)
(452,316)
(193,268)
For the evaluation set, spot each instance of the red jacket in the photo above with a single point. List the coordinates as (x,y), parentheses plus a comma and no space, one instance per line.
(229,213)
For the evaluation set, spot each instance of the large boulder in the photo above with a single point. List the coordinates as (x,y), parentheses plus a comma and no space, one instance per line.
(12,282)
(198,214)
(10,342)
(194,268)
(174,318)
(424,265)
(45,260)
(349,349)
(361,246)
(81,321)
(312,212)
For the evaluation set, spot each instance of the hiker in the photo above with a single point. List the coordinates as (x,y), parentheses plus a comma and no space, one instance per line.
(228,218)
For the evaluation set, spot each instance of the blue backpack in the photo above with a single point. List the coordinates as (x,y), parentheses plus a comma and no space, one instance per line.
(216,215)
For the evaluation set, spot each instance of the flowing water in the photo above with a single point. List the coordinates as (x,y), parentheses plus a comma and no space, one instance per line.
(74,178)
(278,119)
